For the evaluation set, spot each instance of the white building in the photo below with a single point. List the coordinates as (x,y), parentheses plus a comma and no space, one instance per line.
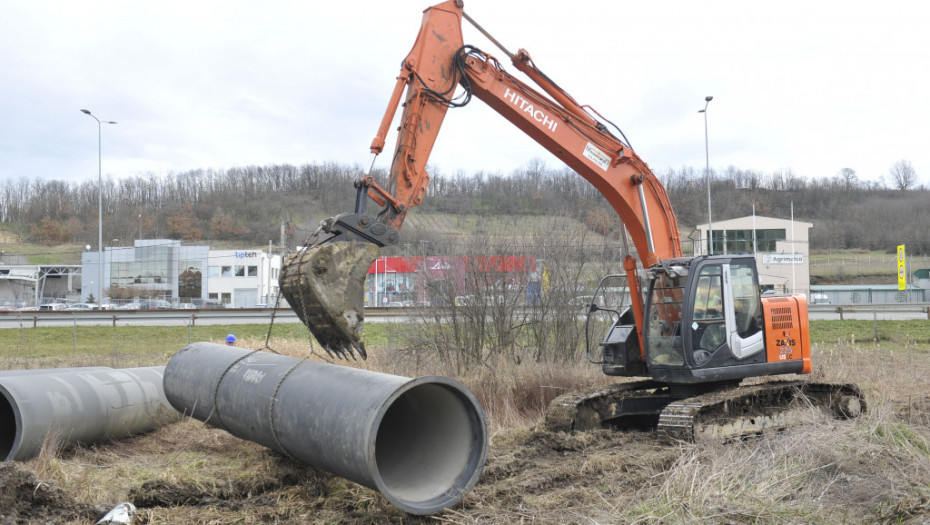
(243,278)
(781,247)
(150,269)
(164,269)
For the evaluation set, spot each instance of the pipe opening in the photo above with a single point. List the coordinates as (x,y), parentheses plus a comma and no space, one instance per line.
(8,426)
(430,446)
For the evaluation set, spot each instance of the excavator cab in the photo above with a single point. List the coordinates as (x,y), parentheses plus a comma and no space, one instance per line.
(705,323)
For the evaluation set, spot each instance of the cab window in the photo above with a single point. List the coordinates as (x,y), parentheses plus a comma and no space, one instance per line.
(708,328)
(663,324)
(747,303)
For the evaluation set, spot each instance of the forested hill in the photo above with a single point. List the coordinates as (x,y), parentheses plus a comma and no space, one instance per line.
(247,205)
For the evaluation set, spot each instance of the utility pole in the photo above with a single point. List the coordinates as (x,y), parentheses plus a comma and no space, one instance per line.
(99,204)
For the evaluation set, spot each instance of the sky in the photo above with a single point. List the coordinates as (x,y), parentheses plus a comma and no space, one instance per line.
(811,87)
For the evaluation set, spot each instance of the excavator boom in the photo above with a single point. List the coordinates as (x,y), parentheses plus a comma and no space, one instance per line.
(439,64)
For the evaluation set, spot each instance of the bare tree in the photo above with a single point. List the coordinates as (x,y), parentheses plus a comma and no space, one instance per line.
(903,175)
(848,178)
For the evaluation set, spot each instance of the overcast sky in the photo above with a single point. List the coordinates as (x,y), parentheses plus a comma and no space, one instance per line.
(810,86)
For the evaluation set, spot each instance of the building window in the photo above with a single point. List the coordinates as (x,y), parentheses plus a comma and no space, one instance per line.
(766,239)
(740,241)
(226,298)
(253,271)
(214,296)
(226,271)
(240,271)
(214,271)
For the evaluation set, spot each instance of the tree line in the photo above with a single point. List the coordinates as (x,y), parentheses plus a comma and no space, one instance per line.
(248,204)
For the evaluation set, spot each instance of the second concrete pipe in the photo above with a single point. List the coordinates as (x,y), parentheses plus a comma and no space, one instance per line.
(420,442)
(78,405)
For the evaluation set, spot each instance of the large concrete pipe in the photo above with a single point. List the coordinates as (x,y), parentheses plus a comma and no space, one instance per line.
(45,371)
(80,406)
(420,442)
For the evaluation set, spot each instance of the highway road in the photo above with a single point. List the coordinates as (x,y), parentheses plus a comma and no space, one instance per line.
(235,316)
(228,316)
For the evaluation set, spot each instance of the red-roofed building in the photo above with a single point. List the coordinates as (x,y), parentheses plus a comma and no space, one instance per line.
(403,281)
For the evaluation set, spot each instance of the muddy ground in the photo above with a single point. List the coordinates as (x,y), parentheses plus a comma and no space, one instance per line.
(525,470)
(190,473)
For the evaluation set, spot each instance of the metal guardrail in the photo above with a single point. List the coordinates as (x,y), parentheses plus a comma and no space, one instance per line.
(286,315)
(904,311)
(166,317)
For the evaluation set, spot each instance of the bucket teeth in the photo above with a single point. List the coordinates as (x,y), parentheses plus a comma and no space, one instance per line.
(325,286)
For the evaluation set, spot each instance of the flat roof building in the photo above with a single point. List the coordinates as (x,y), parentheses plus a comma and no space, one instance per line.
(164,269)
(781,247)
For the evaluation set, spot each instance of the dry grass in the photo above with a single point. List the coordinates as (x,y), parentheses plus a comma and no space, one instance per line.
(870,470)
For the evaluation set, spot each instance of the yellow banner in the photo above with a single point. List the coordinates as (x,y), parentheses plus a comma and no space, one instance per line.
(902,270)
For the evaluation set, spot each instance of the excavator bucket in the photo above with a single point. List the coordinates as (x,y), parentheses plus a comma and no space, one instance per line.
(325,285)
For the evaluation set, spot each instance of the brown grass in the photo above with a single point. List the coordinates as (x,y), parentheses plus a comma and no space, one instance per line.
(870,470)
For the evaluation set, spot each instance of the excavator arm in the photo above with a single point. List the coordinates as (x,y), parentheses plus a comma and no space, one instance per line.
(430,75)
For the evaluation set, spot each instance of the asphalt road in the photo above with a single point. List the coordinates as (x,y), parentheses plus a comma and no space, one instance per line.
(372,315)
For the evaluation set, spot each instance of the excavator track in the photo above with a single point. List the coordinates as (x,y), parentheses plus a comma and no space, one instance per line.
(611,406)
(723,415)
(737,413)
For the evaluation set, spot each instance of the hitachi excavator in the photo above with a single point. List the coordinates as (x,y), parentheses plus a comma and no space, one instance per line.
(697,326)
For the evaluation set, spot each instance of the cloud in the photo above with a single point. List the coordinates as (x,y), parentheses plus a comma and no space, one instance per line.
(811,86)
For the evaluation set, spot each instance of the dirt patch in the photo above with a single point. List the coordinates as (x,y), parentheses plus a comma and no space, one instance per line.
(24,498)
(231,494)
(562,476)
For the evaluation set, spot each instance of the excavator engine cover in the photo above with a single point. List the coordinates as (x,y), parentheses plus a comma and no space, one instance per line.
(325,286)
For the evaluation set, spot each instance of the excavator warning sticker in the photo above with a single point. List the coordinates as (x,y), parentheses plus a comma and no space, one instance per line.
(597,156)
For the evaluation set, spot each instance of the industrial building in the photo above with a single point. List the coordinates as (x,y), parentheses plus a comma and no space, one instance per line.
(165,270)
(781,248)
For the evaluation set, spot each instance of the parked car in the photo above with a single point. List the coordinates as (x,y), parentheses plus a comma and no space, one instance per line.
(187,306)
(155,304)
(51,307)
(82,307)
(128,306)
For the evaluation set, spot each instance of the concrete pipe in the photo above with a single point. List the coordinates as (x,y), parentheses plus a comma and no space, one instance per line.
(81,406)
(45,371)
(420,442)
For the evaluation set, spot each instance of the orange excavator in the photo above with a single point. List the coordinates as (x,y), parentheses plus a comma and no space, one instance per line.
(696,327)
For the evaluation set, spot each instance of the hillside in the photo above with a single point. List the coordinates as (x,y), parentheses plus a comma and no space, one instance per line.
(246,207)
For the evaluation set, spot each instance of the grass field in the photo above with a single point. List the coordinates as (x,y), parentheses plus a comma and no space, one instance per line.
(860,266)
(153,345)
(873,469)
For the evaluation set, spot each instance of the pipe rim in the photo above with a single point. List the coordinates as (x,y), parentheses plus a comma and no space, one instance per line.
(476,455)
(11,421)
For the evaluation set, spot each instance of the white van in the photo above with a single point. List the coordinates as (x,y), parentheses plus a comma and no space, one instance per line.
(51,307)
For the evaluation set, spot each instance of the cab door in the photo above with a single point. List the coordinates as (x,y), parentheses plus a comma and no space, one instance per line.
(724,313)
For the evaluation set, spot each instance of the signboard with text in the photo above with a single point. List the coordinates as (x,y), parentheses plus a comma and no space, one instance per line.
(902,269)
(782,258)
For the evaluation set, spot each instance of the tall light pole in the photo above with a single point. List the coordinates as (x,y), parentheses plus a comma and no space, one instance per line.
(710,227)
(99,205)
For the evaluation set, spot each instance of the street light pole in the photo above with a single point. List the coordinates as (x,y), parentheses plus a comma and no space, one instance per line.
(710,227)
(99,205)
